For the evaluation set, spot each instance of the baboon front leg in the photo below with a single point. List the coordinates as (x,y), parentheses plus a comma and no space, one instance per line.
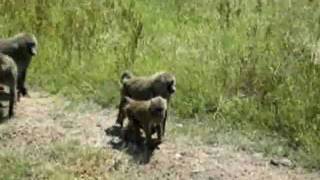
(163,123)
(12,102)
(148,136)
(121,113)
(22,84)
(159,132)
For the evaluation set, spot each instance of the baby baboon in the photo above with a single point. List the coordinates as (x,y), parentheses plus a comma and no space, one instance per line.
(143,88)
(146,114)
(8,77)
(20,48)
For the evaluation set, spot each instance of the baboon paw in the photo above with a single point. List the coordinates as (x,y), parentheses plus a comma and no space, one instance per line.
(119,124)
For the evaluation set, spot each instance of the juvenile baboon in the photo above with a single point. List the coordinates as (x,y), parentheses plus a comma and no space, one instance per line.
(20,48)
(146,114)
(143,88)
(8,77)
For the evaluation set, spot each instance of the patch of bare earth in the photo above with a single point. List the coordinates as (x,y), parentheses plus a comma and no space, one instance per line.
(42,120)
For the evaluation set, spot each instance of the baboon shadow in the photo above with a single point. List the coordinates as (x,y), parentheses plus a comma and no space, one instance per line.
(136,148)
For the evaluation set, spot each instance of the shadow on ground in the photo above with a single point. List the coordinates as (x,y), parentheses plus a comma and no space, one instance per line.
(135,148)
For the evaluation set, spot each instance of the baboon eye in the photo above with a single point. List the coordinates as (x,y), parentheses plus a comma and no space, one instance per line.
(159,109)
(30,44)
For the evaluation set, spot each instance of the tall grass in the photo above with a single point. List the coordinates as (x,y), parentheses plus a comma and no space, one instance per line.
(251,63)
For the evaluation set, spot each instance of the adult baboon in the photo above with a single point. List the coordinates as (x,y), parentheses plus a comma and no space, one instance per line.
(146,114)
(8,77)
(21,48)
(143,88)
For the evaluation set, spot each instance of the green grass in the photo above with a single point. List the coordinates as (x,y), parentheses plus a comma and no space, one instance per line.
(248,65)
(57,161)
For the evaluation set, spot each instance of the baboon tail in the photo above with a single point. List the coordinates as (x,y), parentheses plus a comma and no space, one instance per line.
(126,76)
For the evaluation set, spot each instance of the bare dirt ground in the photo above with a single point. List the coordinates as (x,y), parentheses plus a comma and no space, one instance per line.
(43,119)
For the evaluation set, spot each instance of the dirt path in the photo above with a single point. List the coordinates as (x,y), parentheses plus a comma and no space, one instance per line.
(44,119)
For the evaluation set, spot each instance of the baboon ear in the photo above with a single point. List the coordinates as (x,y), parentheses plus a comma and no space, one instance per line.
(15,45)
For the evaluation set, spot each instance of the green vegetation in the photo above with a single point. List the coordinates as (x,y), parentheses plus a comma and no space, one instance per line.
(249,65)
(58,161)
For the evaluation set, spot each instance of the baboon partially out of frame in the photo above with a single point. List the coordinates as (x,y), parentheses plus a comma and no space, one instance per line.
(21,48)
(143,88)
(8,77)
(146,114)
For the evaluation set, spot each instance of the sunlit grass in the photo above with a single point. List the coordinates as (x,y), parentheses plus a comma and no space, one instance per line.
(248,64)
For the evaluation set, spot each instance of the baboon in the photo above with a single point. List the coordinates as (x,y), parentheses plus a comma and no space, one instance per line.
(143,88)
(146,114)
(8,77)
(20,48)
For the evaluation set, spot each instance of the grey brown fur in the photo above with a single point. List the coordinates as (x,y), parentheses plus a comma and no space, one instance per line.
(144,88)
(8,77)
(146,114)
(21,48)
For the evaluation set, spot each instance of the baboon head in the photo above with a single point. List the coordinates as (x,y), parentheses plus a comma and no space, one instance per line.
(26,43)
(158,107)
(165,84)
(126,76)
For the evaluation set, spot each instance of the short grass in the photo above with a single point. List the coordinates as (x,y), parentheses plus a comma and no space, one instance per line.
(57,161)
(247,65)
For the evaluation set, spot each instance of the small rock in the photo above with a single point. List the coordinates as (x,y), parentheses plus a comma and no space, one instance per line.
(258,155)
(198,169)
(178,156)
(282,162)
(183,153)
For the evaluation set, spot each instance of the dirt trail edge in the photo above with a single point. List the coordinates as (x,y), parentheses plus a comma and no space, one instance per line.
(43,119)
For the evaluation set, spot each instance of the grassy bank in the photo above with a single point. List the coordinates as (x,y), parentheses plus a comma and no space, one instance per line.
(250,65)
